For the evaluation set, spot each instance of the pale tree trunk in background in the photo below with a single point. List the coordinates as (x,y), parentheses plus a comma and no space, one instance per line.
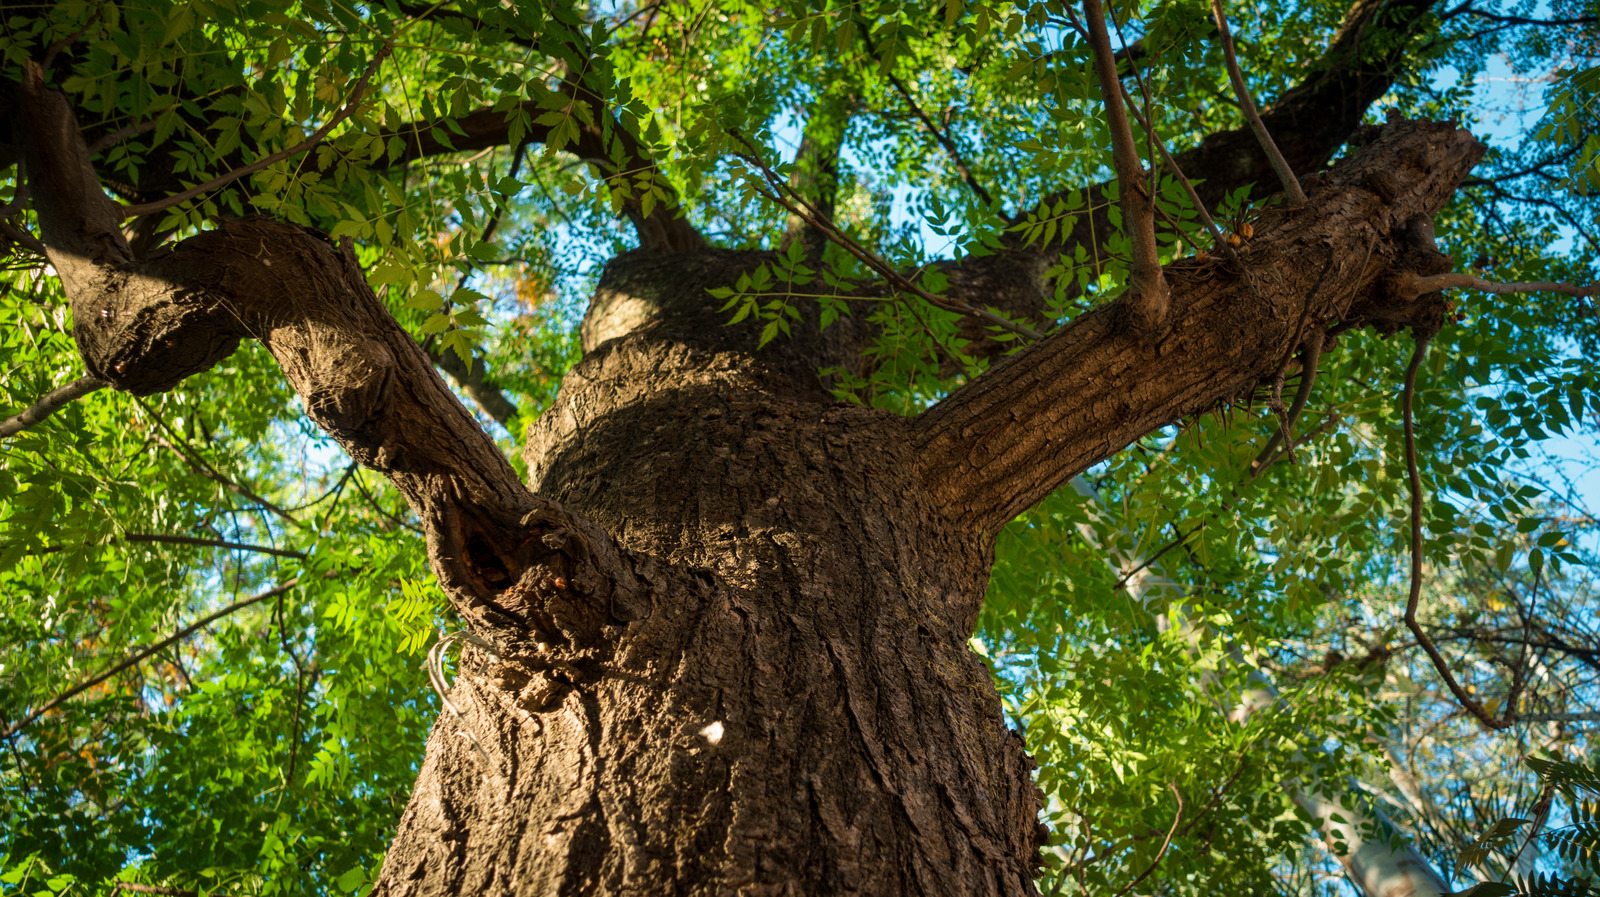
(1373,855)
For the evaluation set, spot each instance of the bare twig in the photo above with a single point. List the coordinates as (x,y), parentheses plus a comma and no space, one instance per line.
(441,685)
(1407,400)
(199,465)
(140,655)
(1308,378)
(344,112)
(1291,184)
(1414,285)
(1150,288)
(49,404)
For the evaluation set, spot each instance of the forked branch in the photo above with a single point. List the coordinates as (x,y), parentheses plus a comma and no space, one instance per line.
(507,558)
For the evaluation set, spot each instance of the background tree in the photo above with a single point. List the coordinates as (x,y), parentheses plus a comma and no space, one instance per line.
(730,634)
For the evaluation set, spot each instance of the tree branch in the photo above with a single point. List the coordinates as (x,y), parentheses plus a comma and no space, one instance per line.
(143,653)
(1414,593)
(1312,120)
(1280,165)
(944,141)
(1413,285)
(1000,444)
(505,557)
(49,404)
(1146,306)
(317,137)
(816,169)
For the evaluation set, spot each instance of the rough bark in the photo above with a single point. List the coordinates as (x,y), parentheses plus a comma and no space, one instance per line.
(730,616)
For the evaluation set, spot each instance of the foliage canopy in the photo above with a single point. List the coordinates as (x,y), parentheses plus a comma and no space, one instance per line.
(487,158)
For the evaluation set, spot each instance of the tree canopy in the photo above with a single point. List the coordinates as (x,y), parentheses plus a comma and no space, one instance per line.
(218,624)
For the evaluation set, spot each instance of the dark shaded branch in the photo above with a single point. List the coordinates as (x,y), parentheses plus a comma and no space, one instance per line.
(49,404)
(191,540)
(1467,9)
(474,380)
(934,131)
(213,543)
(1000,444)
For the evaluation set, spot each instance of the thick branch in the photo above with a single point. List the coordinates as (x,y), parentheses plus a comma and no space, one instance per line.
(999,445)
(1311,120)
(505,556)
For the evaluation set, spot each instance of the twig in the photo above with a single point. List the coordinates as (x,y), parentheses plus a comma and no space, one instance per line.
(1407,399)
(344,112)
(933,130)
(146,652)
(1176,817)
(136,888)
(189,540)
(49,404)
(1592,717)
(1138,215)
(1413,285)
(200,466)
(1188,186)
(1308,377)
(1291,184)
(214,543)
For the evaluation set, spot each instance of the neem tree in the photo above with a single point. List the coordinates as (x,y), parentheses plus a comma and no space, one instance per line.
(721,605)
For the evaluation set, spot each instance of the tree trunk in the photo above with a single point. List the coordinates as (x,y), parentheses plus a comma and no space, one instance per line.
(797,712)
(730,615)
